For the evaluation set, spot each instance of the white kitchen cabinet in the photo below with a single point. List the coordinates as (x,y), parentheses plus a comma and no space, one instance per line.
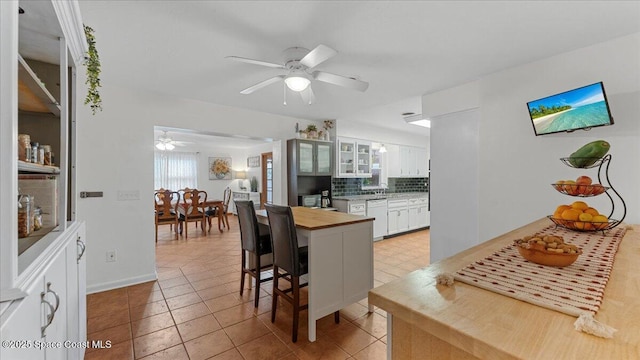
(54,310)
(77,293)
(353,158)
(398,216)
(418,213)
(394,169)
(407,161)
(422,162)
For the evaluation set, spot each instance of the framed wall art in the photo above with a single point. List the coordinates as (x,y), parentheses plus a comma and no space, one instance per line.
(253,161)
(219,168)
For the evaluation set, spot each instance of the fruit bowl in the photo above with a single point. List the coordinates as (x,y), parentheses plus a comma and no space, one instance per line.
(550,250)
(578,225)
(543,257)
(582,162)
(580,190)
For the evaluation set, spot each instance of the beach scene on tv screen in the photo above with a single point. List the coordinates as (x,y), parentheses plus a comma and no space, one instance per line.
(575,109)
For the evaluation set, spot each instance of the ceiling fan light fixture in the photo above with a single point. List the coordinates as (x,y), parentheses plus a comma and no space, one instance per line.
(382,149)
(169,146)
(296,81)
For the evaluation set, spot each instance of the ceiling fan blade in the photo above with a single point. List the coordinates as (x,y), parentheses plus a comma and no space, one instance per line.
(339,80)
(260,85)
(308,96)
(255,62)
(318,55)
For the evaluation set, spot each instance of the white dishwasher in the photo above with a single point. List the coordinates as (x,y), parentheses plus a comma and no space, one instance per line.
(378,209)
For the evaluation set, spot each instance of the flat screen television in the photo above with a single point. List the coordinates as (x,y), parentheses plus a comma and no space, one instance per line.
(581,108)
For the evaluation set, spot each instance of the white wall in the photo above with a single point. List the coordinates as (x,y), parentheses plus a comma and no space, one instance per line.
(454,170)
(516,168)
(115,152)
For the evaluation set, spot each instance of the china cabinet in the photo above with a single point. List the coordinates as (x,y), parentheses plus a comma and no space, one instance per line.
(42,272)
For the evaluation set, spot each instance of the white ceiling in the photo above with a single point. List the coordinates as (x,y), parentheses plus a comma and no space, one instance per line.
(402,48)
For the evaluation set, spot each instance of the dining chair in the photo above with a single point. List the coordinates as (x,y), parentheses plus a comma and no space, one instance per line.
(291,259)
(192,209)
(166,209)
(256,241)
(213,212)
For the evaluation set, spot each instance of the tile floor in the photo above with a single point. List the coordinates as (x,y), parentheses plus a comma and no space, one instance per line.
(194,311)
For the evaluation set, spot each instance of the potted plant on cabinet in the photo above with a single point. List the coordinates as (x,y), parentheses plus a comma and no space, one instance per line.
(312,131)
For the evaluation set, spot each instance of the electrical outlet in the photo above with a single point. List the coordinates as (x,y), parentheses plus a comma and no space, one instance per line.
(111,256)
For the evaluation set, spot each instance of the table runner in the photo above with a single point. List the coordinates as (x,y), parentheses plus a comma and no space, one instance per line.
(572,290)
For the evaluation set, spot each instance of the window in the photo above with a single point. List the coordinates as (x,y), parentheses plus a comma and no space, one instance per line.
(175,170)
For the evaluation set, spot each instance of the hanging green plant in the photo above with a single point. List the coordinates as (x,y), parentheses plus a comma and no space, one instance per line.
(92,62)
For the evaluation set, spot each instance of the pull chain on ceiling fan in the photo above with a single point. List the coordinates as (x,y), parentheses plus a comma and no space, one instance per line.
(299,63)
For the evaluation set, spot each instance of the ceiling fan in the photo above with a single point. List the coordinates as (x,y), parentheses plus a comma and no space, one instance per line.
(165,142)
(300,64)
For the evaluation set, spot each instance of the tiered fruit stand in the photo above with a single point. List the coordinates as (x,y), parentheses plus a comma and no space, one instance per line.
(591,190)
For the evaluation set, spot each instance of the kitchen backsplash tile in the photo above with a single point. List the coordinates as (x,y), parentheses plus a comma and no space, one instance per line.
(353,186)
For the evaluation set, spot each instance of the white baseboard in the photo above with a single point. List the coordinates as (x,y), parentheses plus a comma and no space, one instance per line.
(122,283)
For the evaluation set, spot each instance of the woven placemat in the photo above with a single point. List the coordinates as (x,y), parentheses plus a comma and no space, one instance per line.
(572,290)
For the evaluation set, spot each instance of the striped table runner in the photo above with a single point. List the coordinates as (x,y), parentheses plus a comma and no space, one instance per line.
(572,290)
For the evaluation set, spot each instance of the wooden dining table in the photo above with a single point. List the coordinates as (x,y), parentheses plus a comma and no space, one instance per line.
(184,207)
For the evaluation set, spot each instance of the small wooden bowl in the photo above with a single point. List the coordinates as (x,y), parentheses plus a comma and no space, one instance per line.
(544,257)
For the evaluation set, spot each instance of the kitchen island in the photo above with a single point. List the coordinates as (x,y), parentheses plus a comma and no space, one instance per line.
(429,321)
(340,259)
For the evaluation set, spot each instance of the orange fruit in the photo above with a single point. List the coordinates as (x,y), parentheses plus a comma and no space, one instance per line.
(600,221)
(562,208)
(570,214)
(570,187)
(579,205)
(591,211)
(585,217)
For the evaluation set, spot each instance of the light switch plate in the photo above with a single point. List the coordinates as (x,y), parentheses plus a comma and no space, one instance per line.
(128,195)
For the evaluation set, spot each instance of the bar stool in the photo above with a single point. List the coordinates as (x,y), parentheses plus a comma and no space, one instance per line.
(256,241)
(289,257)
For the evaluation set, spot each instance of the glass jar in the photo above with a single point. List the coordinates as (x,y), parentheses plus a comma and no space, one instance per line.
(37,219)
(24,147)
(48,155)
(24,216)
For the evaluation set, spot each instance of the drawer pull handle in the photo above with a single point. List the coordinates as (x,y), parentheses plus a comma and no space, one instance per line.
(54,294)
(83,247)
(50,316)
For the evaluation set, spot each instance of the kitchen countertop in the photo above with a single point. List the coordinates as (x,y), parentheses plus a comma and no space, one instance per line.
(381,196)
(464,321)
(315,219)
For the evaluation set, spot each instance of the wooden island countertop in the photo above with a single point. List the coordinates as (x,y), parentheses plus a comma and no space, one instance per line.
(466,322)
(315,219)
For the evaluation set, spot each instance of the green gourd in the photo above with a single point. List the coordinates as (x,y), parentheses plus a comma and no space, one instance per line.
(589,154)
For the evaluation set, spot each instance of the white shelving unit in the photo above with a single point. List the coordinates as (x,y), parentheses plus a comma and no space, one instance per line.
(47,278)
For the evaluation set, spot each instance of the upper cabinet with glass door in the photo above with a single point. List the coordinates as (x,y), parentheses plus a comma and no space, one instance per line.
(354,158)
(313,157)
